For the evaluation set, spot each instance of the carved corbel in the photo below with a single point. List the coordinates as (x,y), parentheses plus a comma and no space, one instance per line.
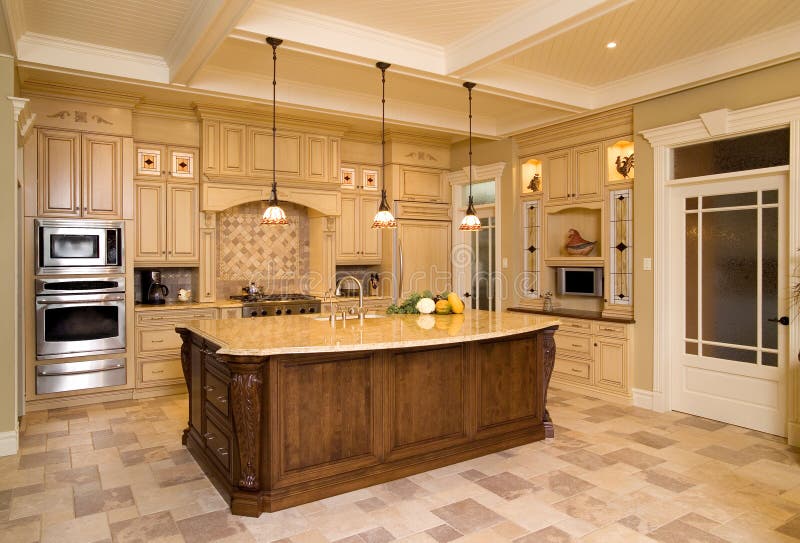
(549,359)
(246,397)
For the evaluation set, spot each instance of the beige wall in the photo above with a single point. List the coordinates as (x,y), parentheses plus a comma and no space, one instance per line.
(490,152)
(767,85)
(8,257)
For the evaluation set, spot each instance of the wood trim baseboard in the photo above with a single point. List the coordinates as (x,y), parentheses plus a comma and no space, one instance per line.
(642,398)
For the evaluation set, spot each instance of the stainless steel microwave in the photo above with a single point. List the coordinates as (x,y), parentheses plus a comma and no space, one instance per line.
(79,246)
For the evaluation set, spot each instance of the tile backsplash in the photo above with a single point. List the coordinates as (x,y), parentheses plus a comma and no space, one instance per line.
(275,257)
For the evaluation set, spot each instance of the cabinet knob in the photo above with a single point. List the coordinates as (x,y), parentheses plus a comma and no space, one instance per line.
(595,344)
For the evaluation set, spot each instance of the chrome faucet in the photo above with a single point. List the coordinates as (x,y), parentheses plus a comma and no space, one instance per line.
(360,295)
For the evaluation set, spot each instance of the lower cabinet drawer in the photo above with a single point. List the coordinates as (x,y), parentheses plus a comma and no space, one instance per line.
(154,340)
(574,345)
(161,370)
(219,443)
(216,392)
(609,329)
(572,368)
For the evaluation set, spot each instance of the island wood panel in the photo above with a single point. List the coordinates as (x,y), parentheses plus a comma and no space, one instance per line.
(245,457)
(507,392)
(427,405)
(326,409)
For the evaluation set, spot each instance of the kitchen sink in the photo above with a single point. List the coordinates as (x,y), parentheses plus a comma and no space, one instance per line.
(350,317)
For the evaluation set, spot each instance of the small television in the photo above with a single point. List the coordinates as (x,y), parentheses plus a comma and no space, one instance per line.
(579,281)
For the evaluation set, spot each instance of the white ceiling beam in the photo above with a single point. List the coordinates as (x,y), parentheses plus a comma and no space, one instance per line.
(88,58)
(548,90)
(323,32)
(15,21)
(532,23)
(746,55)
(302,96)
(200,35)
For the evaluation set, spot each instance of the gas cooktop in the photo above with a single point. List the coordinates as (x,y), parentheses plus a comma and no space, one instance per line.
(268,305)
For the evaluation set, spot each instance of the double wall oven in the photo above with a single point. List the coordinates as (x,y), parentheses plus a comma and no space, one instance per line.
(80,304)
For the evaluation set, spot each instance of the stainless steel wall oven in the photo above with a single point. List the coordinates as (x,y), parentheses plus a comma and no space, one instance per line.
(80,316)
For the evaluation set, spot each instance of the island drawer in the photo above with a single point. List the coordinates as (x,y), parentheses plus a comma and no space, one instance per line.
(572,369)
(610,329)
(216,393)
(573,345)
(219,443)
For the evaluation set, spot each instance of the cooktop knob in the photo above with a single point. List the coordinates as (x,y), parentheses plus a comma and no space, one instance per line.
(311,310)
(264,313)
(277,311)
(302,310)
(288,311)
(254,313)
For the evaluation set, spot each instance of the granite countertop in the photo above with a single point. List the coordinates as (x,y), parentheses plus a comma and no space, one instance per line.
(305,334)
(572,313)
(188,305)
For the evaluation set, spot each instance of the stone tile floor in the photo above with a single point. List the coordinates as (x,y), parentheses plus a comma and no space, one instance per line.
(117,472)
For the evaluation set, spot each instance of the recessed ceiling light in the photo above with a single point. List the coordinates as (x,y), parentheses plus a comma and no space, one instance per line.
(611,44)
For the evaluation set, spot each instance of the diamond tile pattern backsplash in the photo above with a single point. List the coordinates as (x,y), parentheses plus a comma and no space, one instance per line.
(275,257)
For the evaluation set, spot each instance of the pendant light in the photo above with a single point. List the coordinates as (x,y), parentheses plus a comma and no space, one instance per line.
(274,214)
(470,222)
(384,217)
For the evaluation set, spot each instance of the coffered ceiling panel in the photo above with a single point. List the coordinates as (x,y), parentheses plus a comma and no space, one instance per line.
(143,26)
(650,34)
(439,23)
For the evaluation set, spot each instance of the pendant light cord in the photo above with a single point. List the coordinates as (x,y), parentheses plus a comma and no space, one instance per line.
(383,128)
(469,91)
(274,127)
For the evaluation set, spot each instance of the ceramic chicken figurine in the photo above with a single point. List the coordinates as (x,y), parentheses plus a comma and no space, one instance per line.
(576,245)
(625,165)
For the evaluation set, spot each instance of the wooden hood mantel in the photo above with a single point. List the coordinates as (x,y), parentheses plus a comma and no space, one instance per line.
(218,196)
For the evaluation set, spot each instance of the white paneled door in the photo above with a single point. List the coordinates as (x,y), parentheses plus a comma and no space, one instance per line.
(728,302)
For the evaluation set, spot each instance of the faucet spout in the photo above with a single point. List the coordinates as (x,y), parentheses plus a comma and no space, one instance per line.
(360,295)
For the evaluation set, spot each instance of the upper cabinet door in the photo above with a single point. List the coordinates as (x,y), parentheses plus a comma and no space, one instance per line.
(588,172)
(232,148)
(316,157)
(347,238)
(288,147)
(370,237)
(182,223)
(181,166)
(556,178)
(423,184)
(102,176)
(59,173)
(210,147)
(150,221)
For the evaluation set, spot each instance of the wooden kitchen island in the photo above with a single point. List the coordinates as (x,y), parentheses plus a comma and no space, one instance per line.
(288,410)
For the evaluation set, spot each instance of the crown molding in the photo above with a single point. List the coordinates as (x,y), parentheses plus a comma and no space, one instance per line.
(483,173)
(15,21)
(75,55)
(45,89)
(598,126)
(261,116)
(165,111)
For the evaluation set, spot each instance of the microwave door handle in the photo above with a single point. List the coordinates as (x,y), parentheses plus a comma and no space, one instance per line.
(41,373)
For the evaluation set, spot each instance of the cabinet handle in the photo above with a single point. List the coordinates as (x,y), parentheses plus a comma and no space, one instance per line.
(209,435)
(222,451)
(157,341)
(222,399)
(574,345)
(208,388)
(575,370)
(156,372)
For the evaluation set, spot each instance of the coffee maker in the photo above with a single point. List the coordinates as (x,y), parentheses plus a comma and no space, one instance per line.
(153,291)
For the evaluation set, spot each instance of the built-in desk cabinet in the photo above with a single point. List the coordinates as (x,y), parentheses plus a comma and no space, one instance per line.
(80,175)
(573,175)
(593,356)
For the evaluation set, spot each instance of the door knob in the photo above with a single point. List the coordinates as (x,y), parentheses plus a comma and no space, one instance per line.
(783,320)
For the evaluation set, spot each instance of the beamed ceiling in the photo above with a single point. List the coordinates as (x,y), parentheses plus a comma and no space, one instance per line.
(535,61)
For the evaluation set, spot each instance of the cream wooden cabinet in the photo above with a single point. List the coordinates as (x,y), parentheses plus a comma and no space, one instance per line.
(158,361)
(208,265)
(156,161)
(232,143)
(356,241)
(573,175)
(80,175)
(593,356)
(424,255)
(230,312)
(288,146)
(166,223)
(419,184)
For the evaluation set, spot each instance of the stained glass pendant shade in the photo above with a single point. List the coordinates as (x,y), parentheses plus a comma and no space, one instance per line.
(274,214)
(470,222)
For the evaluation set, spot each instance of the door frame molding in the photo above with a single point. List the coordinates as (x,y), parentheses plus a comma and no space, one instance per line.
(488,172)
(709,126)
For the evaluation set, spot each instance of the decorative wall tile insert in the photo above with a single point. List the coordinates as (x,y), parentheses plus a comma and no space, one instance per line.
(275,257)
